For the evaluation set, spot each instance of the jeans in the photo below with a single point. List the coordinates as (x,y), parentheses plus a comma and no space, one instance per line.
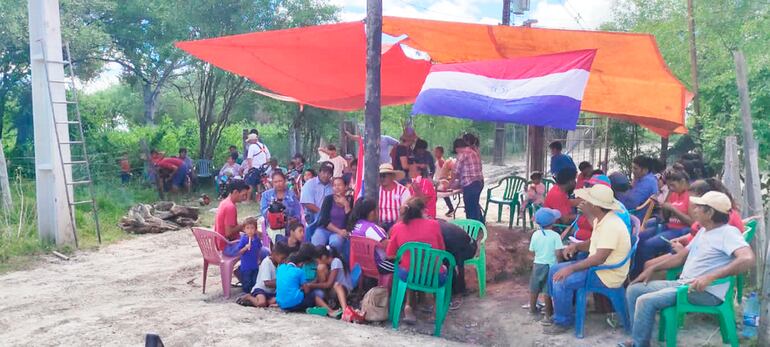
(323,237)
(563,292)
(651,245)
(471,196)
(645,300)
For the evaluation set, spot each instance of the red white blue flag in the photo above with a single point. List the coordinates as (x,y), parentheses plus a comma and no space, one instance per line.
(542,90)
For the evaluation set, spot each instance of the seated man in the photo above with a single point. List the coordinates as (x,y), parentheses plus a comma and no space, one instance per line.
(610,243)
(717,251)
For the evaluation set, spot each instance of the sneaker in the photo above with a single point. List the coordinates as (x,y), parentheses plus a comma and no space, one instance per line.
(555,329)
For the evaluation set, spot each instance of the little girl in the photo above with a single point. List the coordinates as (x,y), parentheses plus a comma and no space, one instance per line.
(332,273)
(535,192)
(248,248)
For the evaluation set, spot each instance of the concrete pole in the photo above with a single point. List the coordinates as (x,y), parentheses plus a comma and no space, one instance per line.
(5,186)
(372,111)
(53,216)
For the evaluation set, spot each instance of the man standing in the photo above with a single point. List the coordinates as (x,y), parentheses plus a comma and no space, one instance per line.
(717,251)
(609,244)
(315,190)
(467,171)
(226,220)
(560,161)
(257,153)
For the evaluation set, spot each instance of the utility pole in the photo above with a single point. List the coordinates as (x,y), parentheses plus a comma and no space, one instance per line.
(754,194)
(694,68)
(53,215)
(498,152)
(373,98)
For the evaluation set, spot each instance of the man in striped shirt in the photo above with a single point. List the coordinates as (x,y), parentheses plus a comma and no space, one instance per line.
(468,171)
(392,195)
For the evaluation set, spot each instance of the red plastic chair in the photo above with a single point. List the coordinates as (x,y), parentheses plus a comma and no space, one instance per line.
(362,253)
(207,241)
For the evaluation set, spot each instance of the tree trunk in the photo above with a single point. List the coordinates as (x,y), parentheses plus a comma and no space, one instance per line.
(150,96)
(295,141)
(372,111)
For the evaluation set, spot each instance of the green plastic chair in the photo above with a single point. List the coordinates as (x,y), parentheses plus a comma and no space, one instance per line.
(424,269)
(548,184)
(671,316)
(748,235)
(474,228)
(512,189)
(531,209)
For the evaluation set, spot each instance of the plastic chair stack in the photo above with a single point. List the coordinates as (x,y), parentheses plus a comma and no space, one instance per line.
(616,295)
(425,269)
(513,187)
(475,228)
(362,251)
(207,241)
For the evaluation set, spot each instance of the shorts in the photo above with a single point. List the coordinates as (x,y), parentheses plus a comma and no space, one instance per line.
(538,279)
(259,291)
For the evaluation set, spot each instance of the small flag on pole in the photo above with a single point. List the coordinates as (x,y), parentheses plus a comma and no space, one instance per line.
(542,90)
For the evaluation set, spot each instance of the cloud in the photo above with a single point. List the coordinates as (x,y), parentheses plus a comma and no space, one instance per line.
(572,14)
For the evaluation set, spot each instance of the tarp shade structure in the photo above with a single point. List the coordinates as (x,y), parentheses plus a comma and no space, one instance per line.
(629,78)
(322,66)
(325,65)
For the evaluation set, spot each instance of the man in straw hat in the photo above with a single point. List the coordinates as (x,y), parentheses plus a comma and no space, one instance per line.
(257,154)
(392,195)
(717,251)
(609,244)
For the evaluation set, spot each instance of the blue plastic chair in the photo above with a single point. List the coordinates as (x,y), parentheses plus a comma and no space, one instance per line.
(616,295)
(203,169)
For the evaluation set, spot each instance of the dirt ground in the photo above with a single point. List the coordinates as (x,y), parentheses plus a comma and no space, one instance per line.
(152,283)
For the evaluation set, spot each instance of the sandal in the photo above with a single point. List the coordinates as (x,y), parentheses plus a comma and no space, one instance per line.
(243,302)
(318,311)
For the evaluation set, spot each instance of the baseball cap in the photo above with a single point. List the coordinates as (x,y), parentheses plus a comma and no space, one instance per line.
(716,200)
(545,217)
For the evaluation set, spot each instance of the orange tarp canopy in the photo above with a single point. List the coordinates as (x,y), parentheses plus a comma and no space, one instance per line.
(325,65)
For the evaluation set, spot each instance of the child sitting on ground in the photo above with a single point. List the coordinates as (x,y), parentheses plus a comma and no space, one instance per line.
(545,243)
(332,277)
(263,293)
(292,292)
(535,192)
(248,247)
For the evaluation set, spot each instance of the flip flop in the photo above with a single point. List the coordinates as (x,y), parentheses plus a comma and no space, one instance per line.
(318,311)
(243,302)
(337,314)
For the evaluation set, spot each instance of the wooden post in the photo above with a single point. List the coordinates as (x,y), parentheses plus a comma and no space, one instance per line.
(498,151)
(754,194)
(373,98)
(664,151)
(5,186)
(694,67)
(536,137)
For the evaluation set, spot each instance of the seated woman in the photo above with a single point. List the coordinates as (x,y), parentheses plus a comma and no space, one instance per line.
(333,218)
(230,170)
(363,223)
(281,194)
(656,238)
(697,189)
(412,227)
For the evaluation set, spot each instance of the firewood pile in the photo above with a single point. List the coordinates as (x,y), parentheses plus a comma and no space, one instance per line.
(157,218)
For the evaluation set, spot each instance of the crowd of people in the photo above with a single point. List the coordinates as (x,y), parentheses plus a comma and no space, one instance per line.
(298,251)
(586,219)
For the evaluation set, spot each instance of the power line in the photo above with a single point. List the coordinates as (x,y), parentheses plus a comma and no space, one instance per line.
(577,17)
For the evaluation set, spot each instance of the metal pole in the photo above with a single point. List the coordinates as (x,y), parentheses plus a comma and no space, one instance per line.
(373,95)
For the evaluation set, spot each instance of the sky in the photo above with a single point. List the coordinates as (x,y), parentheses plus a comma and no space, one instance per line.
(561,14)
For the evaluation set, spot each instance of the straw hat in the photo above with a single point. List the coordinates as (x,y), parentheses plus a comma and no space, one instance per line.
(716,200)
(252,137)
(599,195)
(388,169)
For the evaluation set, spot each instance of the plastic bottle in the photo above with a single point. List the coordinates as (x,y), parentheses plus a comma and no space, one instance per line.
(751,316)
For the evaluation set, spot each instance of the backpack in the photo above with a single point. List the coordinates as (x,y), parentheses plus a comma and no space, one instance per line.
(375,304)
(276,218)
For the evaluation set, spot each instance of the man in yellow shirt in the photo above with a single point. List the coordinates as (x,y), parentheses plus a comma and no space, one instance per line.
(609,244)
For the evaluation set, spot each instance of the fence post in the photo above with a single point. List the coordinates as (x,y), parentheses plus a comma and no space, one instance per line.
(5,186)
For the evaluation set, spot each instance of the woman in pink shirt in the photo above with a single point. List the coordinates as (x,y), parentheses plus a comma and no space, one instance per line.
(422,187)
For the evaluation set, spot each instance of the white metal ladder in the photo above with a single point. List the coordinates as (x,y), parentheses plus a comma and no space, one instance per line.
(78,138)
